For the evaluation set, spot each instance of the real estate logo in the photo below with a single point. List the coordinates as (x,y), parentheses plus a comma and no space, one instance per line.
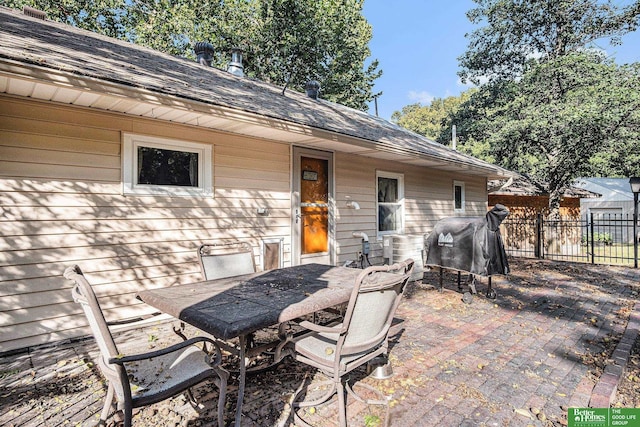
(603,417)
(588,417)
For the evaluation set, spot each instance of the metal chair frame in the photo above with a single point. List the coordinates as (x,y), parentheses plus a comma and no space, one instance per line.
(174,369)
(362,336)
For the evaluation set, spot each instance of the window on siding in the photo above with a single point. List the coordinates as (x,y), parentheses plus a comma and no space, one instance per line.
(458,196)
(166,167)
(390,190)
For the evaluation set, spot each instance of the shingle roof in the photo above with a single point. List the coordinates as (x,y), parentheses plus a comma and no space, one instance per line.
(612,189)
(53,45)
(525,185)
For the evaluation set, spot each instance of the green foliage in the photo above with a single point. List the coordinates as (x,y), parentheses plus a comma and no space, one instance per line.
(320,40)
(285,42)
(561,114)
(550,105)
(434,120)
(372,420)
(519,34)
(101,16)
(604,238)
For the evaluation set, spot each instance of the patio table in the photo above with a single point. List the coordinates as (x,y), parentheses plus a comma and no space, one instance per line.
(237,306)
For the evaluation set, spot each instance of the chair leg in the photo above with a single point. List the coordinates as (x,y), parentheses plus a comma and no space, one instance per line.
(108,401)
(221,383)
(324,398)
(128,415)
(294,404)
(342,403)
(382,399)
(224,376)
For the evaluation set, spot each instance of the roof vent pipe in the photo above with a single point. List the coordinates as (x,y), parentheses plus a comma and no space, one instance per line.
(454,138)
(235,66)
(204,53)
(34,13)
(313,89)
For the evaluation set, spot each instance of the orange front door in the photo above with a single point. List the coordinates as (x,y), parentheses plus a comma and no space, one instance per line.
(313,206)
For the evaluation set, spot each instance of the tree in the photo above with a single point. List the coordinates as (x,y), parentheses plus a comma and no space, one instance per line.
(561,115)
(434,120)
(522,33)
(285,42)
(101,16)
(421,119)
(303,40)
(551,105)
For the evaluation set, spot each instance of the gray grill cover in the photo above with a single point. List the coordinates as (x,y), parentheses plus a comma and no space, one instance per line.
(471,244)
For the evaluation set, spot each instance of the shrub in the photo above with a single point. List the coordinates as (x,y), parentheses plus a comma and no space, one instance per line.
(604,238)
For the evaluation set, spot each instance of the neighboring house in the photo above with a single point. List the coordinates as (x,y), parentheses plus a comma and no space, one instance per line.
(123,160)
(526,197)
(613,209)
(616,196)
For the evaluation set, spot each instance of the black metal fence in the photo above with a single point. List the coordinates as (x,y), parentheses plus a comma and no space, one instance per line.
(595,239)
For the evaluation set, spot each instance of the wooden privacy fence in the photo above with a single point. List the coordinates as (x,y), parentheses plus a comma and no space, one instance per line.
(595,239)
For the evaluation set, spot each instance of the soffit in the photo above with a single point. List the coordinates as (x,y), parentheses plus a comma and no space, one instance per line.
(44,84)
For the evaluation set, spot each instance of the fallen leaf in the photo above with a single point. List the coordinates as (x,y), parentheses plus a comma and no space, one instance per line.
(524,413)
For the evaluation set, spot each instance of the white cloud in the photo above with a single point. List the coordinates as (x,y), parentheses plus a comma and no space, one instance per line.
(421,97)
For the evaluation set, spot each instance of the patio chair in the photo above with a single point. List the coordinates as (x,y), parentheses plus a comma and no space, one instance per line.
(143,379)
(362,336)
(221,260)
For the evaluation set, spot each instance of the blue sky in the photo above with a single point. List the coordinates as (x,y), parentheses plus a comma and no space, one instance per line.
(418,43)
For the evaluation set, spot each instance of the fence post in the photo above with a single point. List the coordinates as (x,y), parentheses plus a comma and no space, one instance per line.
(635,230)
(593,239)
(538,247)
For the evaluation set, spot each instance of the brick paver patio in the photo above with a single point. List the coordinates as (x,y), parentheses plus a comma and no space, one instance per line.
(519,360)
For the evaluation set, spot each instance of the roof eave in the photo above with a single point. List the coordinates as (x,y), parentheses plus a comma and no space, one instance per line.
(33,80)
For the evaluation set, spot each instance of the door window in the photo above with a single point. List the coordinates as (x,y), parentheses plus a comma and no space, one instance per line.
(314,205)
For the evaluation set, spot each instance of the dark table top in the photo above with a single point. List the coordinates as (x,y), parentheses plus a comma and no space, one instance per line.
(239,305)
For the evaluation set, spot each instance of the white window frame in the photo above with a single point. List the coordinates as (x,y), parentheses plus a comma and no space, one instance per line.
(462,195)
(400,178)
(131,143)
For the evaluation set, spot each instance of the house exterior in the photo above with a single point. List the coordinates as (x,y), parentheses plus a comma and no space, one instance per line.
(616,196)
(524,234)
(614,209)
(123,160)
(526,198)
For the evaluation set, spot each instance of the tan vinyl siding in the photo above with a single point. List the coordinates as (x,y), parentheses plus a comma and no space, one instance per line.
(62,204)
(428,197)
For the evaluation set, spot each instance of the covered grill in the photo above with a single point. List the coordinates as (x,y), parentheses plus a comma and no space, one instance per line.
(469,244)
